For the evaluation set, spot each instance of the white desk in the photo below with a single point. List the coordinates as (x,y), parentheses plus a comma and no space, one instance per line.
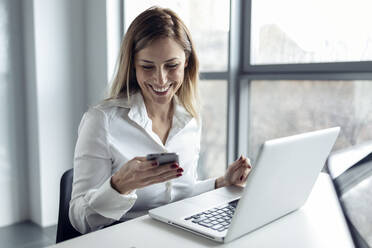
(319,223)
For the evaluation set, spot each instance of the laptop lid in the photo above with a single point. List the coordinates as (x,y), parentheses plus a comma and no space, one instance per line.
(279,183)
(282,179)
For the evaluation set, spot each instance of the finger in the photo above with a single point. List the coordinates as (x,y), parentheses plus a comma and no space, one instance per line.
(163,177)
(238,165)
(166,168)
(244,162)
(247,162)
(244,179)
(246,165)
(168,177)
(162,170)
(146,165)
(244,176)
(142,159)
(235,176)
(241,174)
(235,165)
(170,173)
(241,157)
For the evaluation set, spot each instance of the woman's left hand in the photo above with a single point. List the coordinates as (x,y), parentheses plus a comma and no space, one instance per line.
(236,174)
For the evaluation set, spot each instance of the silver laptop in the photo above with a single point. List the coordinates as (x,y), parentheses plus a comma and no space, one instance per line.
(279,183)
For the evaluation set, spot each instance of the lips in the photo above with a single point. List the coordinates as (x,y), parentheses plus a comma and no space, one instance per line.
(161,91)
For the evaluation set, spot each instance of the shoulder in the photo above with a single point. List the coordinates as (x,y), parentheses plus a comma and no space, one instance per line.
(111,104)
(109,108)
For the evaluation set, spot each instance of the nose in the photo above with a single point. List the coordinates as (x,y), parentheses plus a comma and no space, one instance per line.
(162,75)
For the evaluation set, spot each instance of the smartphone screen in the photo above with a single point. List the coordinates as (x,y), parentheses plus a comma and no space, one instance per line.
(163,158)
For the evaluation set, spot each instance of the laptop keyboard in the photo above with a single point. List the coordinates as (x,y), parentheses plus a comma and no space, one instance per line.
(216,218)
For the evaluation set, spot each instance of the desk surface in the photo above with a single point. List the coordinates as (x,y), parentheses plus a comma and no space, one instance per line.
(319,223)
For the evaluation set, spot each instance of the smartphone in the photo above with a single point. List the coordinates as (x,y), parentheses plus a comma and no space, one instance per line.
(163,158)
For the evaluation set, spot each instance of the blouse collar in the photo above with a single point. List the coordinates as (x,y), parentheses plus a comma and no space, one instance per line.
(138,112)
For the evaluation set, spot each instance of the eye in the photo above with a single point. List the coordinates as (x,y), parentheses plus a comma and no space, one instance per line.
(172,66)
(147,67)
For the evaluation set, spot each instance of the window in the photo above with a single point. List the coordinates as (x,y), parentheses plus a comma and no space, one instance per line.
(288,107)
(301,31)
(208,22)
(306,67)
(212,162)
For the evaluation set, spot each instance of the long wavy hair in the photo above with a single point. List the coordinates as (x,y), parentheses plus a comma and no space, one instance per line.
(152,24)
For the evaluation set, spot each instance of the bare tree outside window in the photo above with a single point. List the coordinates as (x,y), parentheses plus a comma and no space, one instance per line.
(302,31)
(212,161)
(282,108)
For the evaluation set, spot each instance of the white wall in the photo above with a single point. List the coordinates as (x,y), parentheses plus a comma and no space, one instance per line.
(66,72)
(53,66)
(13,169)
(96,50)
(54,91)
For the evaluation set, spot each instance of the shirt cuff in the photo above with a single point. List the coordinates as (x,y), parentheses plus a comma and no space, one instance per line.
(204,186)
(109,203)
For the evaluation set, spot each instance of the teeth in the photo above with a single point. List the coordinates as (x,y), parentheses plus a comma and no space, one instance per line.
(163,89)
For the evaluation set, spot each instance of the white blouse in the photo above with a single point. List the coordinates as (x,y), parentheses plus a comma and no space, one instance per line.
(111,134)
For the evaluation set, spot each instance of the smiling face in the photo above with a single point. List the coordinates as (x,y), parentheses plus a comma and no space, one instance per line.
(160,70)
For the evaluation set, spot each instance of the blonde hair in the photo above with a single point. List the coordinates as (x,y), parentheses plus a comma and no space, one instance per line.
(152,24)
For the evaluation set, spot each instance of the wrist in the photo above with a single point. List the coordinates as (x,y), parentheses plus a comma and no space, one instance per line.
(115,184)
(220,182)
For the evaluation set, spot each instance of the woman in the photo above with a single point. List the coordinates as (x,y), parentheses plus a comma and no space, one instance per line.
(153,107)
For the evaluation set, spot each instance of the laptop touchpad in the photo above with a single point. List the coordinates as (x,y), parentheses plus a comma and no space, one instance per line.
(216,197)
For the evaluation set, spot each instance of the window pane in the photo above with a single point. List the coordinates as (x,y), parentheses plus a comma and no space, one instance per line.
(282,108)
(207,20)
(302,31)
(212,161)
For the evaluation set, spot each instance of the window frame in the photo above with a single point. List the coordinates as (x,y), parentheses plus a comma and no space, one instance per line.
(335,67)
(304,71)
(215,75)
(240,73)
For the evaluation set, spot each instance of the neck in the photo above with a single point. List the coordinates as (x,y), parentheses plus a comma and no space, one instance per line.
(163,112)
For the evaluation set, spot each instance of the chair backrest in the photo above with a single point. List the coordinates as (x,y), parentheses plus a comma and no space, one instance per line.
(352,197)
(65,230)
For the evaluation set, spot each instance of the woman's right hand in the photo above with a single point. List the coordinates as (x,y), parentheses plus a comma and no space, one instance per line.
(139,172)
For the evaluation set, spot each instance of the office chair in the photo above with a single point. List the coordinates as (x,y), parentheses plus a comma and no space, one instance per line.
(344,183)
(65,230)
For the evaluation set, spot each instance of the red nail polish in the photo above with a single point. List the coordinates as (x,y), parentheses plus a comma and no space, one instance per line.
(155,163)
(241,178)
(174,166)
(178,175)
(180,170)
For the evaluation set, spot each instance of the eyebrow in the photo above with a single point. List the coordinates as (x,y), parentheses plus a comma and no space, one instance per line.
(149,61)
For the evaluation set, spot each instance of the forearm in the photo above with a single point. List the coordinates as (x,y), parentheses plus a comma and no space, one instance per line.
(84,219)
(96,207)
